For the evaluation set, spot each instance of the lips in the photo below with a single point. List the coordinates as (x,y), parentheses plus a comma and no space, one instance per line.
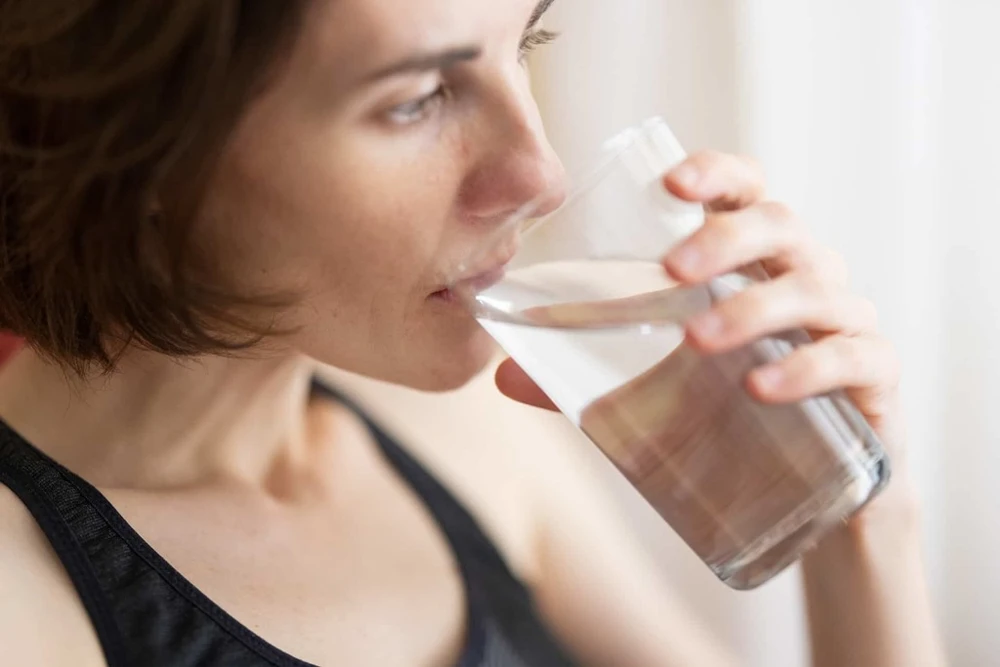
(485,271)
(474,284)
(484,280)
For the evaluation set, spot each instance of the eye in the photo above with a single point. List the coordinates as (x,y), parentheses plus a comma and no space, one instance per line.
(534,40)
(419,109)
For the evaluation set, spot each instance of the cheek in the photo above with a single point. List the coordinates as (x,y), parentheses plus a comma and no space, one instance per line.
(311,222)
(383,214)
(362,231)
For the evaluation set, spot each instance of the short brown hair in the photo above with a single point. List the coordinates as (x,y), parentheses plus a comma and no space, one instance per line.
(112,116)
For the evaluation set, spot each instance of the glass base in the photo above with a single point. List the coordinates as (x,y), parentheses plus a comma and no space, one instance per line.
(760,563)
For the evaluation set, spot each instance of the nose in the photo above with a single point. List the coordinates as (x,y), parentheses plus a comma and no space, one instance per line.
(517,166)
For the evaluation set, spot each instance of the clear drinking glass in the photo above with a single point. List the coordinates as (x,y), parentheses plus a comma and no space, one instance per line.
(579,299)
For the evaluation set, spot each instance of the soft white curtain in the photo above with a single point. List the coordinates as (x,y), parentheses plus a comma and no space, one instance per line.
(878,120)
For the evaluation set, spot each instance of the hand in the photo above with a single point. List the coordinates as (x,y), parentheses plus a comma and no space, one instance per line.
(808,290)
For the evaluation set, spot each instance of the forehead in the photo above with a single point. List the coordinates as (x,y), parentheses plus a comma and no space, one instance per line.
(365,29)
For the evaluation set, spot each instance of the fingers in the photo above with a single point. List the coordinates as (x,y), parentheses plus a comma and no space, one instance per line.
(798,300)
(741,228)
(867,366)
(723,182)
(762,239)
(766,232)
(515,384)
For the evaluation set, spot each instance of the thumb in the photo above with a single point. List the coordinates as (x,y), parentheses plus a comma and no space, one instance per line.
(514,383)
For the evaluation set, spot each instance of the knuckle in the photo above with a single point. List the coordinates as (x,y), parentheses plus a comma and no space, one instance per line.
(841,360)
(711,155)
(815,294)
(814,287)
(725,229)
(855,363)
(755,170)
(809,363)
(778,213)
(877,402)
(754,304)
(708,159)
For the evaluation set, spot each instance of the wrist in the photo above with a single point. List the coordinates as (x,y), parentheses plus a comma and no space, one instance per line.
(889,524)
(866,588)
(896,512)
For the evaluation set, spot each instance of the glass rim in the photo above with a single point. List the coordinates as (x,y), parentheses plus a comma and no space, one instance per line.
(582,181)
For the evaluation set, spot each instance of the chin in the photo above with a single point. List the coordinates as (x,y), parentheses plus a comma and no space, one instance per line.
(453,368)
(441,356)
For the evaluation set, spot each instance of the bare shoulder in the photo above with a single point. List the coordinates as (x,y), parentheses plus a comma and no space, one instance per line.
(42,621)
(543,494)
(495,455)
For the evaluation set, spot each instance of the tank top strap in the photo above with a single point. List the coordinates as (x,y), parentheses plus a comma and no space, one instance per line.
(464,533)
(70,524)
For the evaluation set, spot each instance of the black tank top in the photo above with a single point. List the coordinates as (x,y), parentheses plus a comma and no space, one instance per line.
(146,614)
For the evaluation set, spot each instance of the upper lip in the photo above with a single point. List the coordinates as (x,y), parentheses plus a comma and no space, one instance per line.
(492,272)
(478,281)
(481,281)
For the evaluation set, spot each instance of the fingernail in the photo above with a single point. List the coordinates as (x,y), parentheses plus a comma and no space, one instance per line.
(686,175)
(707,326)
(768,379)
(684,259)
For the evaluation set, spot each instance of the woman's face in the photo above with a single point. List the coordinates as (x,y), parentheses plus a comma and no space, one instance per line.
(395,138)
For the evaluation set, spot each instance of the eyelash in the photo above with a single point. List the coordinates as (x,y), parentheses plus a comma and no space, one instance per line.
(536,39)
(411,113)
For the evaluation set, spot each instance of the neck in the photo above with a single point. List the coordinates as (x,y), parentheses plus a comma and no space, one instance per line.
(160,423)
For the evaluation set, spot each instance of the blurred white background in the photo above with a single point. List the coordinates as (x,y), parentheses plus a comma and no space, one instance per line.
(879,120)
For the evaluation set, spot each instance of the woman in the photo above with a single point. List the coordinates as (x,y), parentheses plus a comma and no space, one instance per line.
(206,198)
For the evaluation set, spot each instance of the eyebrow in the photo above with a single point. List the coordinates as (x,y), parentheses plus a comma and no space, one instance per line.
(426,62)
